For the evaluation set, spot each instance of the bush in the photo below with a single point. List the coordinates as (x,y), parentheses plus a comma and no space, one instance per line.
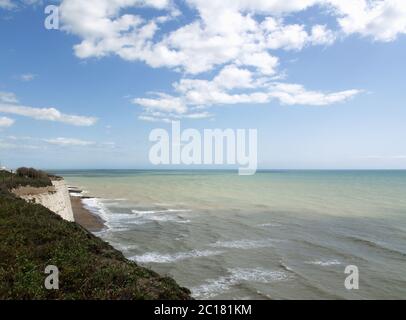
(24,177)
(31,173)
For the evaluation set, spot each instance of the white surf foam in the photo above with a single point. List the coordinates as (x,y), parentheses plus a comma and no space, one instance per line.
(127,247)
(325,263)
(117,221)
(143,212)
(114,221)
(94,205)
(165,215)
(269,225)
(157,257)
(286,267)
(214,287)
(75,194)
(245,244)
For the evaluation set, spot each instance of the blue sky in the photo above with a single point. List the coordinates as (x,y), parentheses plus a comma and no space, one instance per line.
(321,80)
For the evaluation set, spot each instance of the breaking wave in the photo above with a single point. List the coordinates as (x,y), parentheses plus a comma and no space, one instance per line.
(214,287)
(156,257)
(245,244)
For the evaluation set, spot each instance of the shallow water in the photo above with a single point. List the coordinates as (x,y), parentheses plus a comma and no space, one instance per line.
(275,235)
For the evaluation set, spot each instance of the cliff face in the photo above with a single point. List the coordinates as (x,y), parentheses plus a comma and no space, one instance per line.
(55,198)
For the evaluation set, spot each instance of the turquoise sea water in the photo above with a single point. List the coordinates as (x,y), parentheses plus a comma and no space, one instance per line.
(274,235)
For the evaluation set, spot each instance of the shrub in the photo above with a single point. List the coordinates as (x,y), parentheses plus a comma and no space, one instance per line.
(24,177)
(31,173)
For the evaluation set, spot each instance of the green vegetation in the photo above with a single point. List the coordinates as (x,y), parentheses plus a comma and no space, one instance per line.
(24,177)
(32,237)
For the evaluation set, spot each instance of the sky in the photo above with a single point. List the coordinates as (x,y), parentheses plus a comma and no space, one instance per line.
(323,81)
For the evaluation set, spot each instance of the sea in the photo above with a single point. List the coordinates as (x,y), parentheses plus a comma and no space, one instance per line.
(278,234)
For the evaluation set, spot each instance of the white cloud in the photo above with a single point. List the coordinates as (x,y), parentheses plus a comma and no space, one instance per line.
(32,2)
(9,104)
(208,93)
(6,4)
(320,35)
(401,157)
(8,97)
(272,7)
(232,77)
(24,142)
(105,31)
(60,141)
(383,20)
(294,36)
(380,20)
(6,122)
(149,118)
(15,138)
(221,90)
(27,77)
(18,143)
(240,40)
(164,103)
(68,142)
(12,4)
(231,86)
(169,117)
(294,94)
(225,32)
(7,145)
(50,114)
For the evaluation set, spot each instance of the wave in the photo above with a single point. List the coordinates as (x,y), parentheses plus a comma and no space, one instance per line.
(156,257)
(114,221)
(94,205)
(376,245)
(325,263)
(214,287)
(127,247)
(245,244)
(162,215)
(117,221)
(142,212)
(77,191)
(284,266)
(76,194)
(269,225)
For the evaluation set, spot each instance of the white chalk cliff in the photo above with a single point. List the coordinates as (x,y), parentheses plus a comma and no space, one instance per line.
(56,200)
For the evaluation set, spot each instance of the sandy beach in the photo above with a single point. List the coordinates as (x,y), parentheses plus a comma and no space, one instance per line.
(84,217)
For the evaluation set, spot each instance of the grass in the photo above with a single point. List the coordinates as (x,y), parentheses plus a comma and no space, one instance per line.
(32,237)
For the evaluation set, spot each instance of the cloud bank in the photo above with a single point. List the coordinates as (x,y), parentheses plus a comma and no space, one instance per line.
(9,104)
(6,122)
(239,41)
